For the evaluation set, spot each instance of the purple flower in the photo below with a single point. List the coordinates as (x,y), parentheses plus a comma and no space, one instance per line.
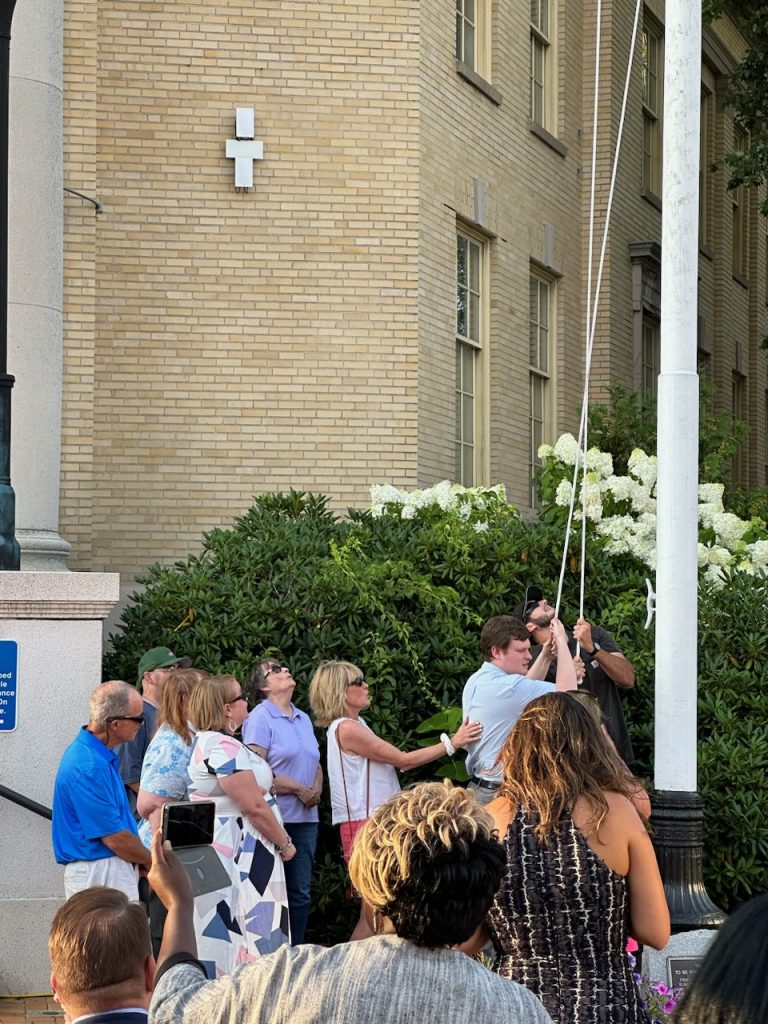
(669,1006)
(660,988)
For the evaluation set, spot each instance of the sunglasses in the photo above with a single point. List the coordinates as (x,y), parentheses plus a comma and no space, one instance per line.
(240,696)
(127,718)
(276,668)
(357,681)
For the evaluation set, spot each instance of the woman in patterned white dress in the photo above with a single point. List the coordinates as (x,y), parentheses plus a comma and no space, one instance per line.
(250,917)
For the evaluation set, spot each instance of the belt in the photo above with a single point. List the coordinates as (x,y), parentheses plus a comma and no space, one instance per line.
(484,783)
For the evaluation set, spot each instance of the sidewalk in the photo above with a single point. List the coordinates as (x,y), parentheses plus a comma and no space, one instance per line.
(32,1010)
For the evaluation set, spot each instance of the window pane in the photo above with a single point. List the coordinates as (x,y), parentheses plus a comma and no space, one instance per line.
(468,420)
(461,312)
(468,369)
(474,266)
(469,10)
(459,36)
(468,467)
(461,260)
(537,399)
(474,317)
(469,45)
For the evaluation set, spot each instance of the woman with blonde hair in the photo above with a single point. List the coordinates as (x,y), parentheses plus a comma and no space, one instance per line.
(250,917)
(580,868)
(164,769)
(362,768)
(427,865)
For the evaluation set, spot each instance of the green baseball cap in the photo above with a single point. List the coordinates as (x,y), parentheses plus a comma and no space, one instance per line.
(160,657)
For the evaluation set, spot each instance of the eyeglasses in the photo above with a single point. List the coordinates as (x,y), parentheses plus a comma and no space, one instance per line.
(240,696)
(357,681)
(127,718)
(276,668)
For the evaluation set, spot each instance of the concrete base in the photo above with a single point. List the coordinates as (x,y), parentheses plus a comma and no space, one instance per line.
(42,551)
(56,619)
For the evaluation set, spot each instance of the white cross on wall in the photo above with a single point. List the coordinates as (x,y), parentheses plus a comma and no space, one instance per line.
(244,149)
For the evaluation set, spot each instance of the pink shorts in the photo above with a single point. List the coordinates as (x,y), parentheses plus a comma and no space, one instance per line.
(348,831)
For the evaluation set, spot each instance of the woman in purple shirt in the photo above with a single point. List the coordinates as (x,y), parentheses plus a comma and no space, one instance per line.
(284,737)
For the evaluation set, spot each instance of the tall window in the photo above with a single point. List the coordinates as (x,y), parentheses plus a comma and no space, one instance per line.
(652,77)
(705,161)
(540,341)
(651,360)
(739,412)
(541,60)
(739,237)
(469,338)
(470,28)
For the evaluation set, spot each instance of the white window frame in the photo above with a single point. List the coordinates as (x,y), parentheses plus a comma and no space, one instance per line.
(471,345)
(652,78)
(542,64)
(541,354)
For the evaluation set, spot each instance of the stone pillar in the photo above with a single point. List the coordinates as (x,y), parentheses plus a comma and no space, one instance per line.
(56,619)
(35,277)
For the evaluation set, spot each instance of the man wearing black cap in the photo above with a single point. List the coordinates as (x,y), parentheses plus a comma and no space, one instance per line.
(606,669)
(154,668)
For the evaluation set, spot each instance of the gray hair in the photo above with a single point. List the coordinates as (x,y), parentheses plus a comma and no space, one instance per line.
(109,701)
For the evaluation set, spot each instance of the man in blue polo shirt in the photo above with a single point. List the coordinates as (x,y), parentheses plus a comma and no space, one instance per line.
(501,688)
(94,834)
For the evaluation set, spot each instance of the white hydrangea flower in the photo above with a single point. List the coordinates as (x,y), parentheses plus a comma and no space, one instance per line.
(716,576)
(545,451)
(719,555)
(729,529)
(594,499)
(703,555)
(758,552)
(643,467)
(621,487)
(566,449)
(600,462)
(481,527)
(407,512)
(564,493)
(465,511)
(711,494)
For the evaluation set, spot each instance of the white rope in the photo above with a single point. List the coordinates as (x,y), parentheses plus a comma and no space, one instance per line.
(592,305)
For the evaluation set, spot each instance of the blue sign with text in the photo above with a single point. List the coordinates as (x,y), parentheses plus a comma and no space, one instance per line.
(9,671)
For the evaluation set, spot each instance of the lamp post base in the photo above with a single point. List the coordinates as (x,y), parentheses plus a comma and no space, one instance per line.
(677,820)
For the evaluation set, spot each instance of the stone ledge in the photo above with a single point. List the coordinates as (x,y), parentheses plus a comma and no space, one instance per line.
(58,595)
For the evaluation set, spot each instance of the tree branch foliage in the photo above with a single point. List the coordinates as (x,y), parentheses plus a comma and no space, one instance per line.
(748,91)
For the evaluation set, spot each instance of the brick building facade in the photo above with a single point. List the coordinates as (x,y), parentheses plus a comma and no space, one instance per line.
(401,296)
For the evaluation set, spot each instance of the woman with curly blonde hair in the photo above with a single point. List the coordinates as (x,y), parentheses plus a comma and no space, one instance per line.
(580,867)
(427,864)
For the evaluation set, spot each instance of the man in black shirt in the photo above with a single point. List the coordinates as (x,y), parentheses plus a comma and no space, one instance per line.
(606,669)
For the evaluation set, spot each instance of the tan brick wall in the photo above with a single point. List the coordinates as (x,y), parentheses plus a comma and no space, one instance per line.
(245,342)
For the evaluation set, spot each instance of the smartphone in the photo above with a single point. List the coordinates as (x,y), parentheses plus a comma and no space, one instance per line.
(189,823)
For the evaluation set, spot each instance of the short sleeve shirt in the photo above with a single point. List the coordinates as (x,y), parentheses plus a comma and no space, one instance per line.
(89,801)
(496,699)
(292,750)
(164,772)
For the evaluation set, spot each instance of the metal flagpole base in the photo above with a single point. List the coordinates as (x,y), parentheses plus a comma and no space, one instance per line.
(677,819)
(9,546)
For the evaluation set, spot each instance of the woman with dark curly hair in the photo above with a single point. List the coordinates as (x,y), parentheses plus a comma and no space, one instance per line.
(731,985)
(426,865)
(580,868)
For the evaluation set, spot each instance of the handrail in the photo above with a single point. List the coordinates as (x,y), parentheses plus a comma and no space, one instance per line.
(26,802)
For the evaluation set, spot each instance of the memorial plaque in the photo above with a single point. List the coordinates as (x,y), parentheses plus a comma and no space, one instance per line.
(681,969)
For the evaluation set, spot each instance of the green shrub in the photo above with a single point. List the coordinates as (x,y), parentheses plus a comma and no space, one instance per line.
(405,598)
